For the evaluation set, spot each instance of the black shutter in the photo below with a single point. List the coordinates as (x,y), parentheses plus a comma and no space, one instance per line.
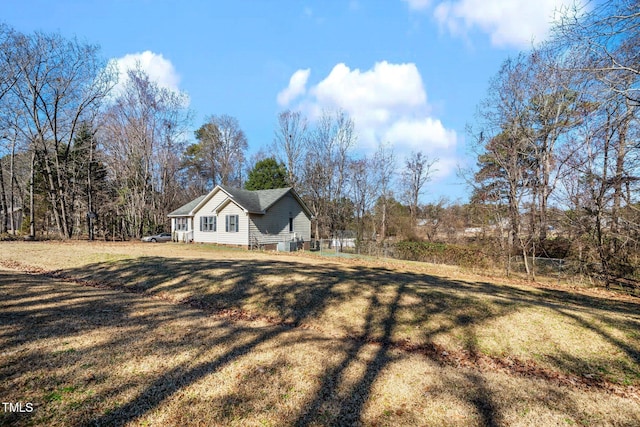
(215,223)
(237,223)
(201,222)
(226,223)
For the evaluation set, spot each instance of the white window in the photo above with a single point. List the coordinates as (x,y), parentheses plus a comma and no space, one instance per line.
(181,224)
(207,223)
(231,223)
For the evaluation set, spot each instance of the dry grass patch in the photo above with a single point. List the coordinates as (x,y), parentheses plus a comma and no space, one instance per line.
(101,357)
(561,328)
(327,342)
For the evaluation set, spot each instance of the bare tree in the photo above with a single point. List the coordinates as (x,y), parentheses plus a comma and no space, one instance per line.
(607,39)
(9,73)
(345,140)
(11,199)
(417,172)
(552,109)
(435,215)
(384,164)
(4,209)
(318,172)
(61,84)
(220,151)
(290,141)
(605,184)
(142,138)
(362,192)
(326,174)
(604,44)
(507,156)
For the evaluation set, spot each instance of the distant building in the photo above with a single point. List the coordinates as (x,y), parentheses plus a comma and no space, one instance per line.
(473,231)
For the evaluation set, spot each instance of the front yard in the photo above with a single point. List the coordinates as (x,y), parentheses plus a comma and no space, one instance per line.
(101,333)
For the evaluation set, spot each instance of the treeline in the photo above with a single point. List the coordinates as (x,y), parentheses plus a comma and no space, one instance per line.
(559,129)
(83,154)
(79,152)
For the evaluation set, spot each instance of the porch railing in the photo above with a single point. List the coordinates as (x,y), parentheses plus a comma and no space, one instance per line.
(182,236)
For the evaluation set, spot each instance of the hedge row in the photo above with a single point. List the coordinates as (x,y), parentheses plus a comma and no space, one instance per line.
(441,253)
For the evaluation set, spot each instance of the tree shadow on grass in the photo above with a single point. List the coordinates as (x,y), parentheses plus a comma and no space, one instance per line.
(33,308)
(351,403)
(387,302)
(178,378)
(229,284)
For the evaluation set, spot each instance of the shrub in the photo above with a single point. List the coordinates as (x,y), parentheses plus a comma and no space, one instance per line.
(442,253)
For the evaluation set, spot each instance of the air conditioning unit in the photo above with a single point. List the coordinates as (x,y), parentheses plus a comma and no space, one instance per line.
(290,246)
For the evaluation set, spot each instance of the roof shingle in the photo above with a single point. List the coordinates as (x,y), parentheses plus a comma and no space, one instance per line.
(185,210)
(255,201)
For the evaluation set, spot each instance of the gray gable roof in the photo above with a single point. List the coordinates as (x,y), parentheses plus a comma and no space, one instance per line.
(255,201)
(185,210)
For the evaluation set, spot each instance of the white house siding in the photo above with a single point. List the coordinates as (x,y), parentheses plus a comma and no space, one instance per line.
(207,210)
(274,226)
(241,237)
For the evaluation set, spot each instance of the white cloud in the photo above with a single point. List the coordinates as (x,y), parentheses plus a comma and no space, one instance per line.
(428,134)
(515,23)
(386,87)
(158,68)
(297,87)
(388,103)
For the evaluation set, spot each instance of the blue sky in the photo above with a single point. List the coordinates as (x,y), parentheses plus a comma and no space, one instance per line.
(410,72)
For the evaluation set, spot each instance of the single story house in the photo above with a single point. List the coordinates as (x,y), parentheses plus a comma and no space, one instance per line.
(232,216)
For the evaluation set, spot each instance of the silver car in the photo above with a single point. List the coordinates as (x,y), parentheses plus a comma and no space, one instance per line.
(162,237)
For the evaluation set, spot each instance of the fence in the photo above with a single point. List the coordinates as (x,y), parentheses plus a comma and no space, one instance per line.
(350,248)
(578,271)
(539,265)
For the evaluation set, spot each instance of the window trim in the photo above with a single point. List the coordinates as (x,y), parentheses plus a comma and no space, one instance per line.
(208,224)
(232,227)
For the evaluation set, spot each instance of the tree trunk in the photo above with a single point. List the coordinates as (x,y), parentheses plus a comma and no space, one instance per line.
(62,200)
(383,227)
(53,194)
(617,186)
(32,219)
(3,203)
(12,186)
(544,196)
(90,213)
(524,257)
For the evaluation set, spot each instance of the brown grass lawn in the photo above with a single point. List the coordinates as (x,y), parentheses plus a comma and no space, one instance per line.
(170,334)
